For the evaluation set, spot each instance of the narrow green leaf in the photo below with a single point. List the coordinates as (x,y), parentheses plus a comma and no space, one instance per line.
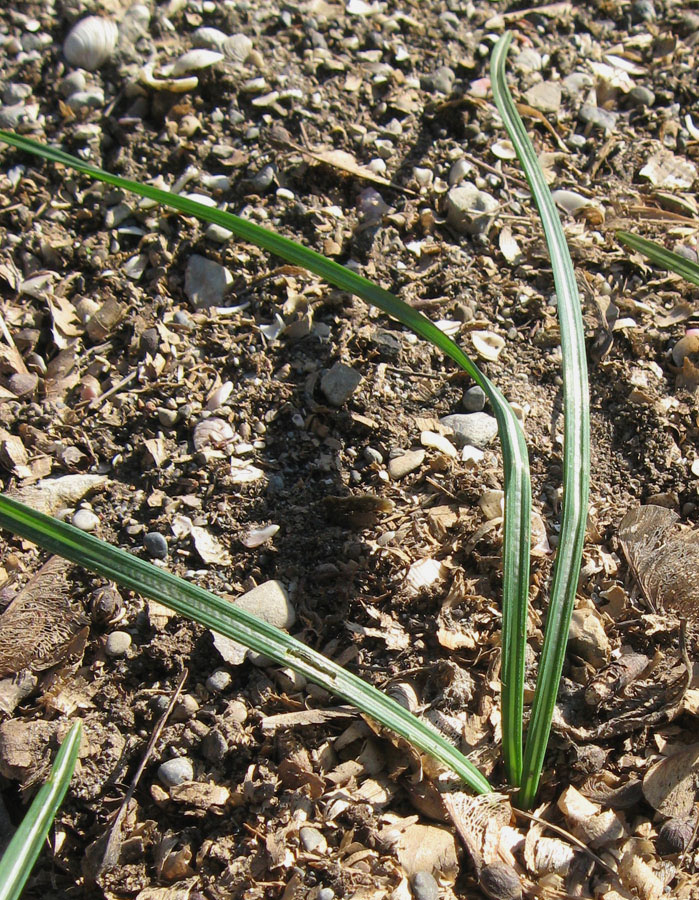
(516,543)
(18,859)
(211,611)
(657,254)
(576,452)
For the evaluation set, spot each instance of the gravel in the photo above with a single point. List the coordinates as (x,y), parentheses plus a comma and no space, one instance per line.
(118,644)
(155,545)
(477,429)
(176,771)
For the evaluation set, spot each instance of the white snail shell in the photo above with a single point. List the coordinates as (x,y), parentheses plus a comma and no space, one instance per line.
(91,42)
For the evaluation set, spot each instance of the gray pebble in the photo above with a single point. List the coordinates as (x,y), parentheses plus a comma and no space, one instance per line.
(167,418)
(183,320)
(545,96)
(176,771)
(529,60)
(474,399)
(339,383)
(372,456)
(643,11)
(326,893)
(155,545)
(85,520)
(118,644)
(424,886)
(16,92)
(641,97)
(577,82)
(73,83)
(268,601)
(219,680)
(91,97)
(593,115)
(11,116)
(206,282)
(312,840)
(262,180)
(387,343)
(441,81)
(576,141)
(237,47)
(400,466)
(459,170)
(477,429)
(469,210)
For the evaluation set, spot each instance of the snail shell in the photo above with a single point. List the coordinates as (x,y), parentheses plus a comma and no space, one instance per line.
(91,42)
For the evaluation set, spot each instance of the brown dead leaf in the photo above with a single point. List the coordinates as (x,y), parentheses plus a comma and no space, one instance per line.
(40,622)
(670,785)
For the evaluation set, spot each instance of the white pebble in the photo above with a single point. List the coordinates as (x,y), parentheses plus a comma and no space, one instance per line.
(85,520)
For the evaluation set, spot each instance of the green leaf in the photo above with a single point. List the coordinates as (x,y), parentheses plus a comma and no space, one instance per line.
(576,452)
(657,254)
(517,530)
(211,611)
(18,860)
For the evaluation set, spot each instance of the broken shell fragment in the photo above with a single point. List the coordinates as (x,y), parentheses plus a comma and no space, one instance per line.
(500,882)
(91,42)
(258,536)
(492,504)
(488,344)
(212,433)
(424,572)
(686,346)
(192,61)
(176,85)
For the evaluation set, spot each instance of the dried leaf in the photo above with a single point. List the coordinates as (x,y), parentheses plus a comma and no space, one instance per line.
(670,785)
(209,547)
(52,494)
(666,170)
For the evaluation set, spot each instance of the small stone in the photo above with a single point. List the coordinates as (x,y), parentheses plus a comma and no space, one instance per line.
(85,520)
(262,180)
(23,383)
(403,465)
(477,429)
(574,84)
(469,210)
(185,708)
(237,47)
(528,60)
(441,81)
(373,456)
(218,681)
(643,11)
(339,383)
(268,601)
(176,771)
(596,117)
(424,886)
(118,644)
(16,93)
(474,399)
(206,282)
(588,639)
(459,170)
(387,343)
(544,96)
(183,320)
(500,881)
(641,97)
(167,417)
(155,545)
(237,712)
(326,893)
(312,840)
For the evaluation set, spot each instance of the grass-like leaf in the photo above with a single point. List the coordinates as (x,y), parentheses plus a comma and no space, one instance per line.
(21,853)
(211,611)
(516,543)
(576,452)
(657,254)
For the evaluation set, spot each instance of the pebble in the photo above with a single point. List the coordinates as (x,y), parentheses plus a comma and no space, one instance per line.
(544,96)
(424,886)
(588,639)
(237,47)
(403,465)
(441,81)
(387,344)
(262,180)
(577,82)
(73,83)
(372,456)
(312,840)
(593,115)
(16,93)
(529,60)
(168,417)
(155,545)
(326,893)
(474,399)
(339,383)
(459,170)
(185,708)
(176,771)
(641,97)
(643,11)
(85,520)
(469,210)
(218,681)
(118,644)
(183,320)
(268,601)
(206,282)
(477,429)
